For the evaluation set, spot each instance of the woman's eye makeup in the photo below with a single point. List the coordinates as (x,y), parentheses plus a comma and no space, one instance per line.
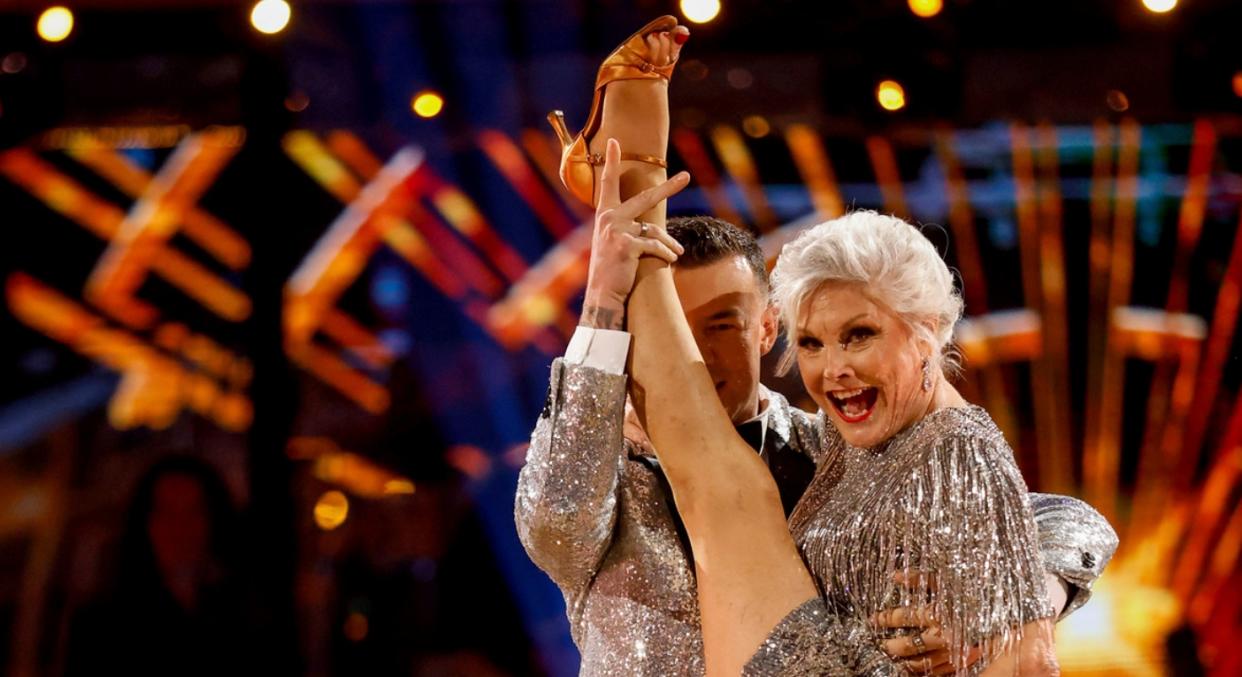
(852,336)
(855,335)
(809,342)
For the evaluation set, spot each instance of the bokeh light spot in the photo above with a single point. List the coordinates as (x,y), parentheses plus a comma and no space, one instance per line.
(55,23)
(756,126)
(297,102)
(891,95)
(270,16)
(1117,100)
(356,626)
(1160,6)
(14,63)
(926,9)
(427,104)
(700,11)
(331,510)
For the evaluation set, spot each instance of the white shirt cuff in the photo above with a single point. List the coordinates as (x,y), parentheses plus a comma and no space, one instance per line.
(603,349)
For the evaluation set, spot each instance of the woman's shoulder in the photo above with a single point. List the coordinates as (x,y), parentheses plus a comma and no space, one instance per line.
(953,426)
(966,436)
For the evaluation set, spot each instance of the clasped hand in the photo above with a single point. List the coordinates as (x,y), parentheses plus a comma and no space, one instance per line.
(620,240)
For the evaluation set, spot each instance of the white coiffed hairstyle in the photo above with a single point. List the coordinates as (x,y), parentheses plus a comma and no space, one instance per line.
(895,264)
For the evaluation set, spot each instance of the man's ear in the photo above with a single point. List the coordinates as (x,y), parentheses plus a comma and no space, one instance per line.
(771,328)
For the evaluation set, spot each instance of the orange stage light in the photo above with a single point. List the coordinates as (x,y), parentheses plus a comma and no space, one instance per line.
(331,510)
(155,386)
(741,166)
(807,149)
(926,9)
(891,95)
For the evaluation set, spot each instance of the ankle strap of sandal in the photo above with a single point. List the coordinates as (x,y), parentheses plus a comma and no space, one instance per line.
(597,160)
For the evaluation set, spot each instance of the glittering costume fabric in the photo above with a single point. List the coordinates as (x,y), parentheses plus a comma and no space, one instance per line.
(594,512)
(943,498)
(796,647)
(1076,543)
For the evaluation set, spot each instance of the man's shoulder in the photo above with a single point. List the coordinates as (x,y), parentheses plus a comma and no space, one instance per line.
(777,402)
(800,429)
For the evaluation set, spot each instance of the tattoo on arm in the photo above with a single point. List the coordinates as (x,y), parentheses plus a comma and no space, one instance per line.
(602,318)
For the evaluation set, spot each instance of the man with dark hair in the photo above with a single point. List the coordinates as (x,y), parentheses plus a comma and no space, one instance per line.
(594,511)
(735,327)
(707,239)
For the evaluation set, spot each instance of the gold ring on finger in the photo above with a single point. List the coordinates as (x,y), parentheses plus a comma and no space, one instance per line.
(917,640)
(642,230)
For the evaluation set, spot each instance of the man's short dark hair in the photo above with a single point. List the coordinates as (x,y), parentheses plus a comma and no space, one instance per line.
(708,239)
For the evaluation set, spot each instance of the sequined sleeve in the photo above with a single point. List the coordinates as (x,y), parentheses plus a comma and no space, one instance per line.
(964,516)
(566,501)
(1076,542)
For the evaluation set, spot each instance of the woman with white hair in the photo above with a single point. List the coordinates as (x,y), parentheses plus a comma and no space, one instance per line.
(924,481)
(921,504)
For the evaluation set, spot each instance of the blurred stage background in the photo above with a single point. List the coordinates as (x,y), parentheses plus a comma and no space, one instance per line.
(331,262)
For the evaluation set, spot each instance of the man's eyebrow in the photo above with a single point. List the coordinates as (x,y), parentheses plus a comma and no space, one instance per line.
(726,313)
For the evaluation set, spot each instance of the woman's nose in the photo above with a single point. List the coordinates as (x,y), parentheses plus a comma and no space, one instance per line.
(837,366)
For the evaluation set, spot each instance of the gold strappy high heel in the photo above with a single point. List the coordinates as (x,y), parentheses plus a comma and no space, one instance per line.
(627,62)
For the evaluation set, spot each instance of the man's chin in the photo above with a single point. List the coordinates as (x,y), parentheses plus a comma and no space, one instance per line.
(741,407)
(739,413)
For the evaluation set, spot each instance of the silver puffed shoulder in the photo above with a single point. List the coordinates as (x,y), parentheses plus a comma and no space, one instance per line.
(1076,544)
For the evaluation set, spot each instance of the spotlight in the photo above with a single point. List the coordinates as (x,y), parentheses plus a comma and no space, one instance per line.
(891,95)
(55,23)
(700,11)
(331,510)
(1160,6)
(427,104)
(926,9)
(270,16)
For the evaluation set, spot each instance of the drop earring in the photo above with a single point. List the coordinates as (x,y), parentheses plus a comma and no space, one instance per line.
(927,381)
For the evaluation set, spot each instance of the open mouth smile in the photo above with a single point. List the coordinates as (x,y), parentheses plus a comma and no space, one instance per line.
(854,406)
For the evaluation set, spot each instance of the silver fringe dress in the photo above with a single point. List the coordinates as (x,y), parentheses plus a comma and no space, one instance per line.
(943,498)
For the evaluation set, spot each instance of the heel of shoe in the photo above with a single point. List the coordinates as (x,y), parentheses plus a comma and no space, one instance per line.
(557,119)
(577,172)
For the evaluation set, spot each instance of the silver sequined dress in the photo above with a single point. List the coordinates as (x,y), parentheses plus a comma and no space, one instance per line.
(945,498)
(593,513)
